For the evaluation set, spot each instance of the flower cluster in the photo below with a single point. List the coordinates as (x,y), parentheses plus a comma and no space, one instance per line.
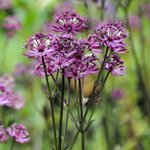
(7,96)
(11,23)
(112,34)
(19,133)
(5,5)
(77,56)
(115,65)
(69,22)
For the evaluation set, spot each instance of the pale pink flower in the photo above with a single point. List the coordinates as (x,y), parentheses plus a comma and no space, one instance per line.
(18,132)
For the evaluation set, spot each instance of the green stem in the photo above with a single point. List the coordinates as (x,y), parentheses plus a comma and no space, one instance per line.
(102,67)
(77,104)
(97,102)
(12,144)
(73,118)
(67,113)
(46,76)
(55,84)
(89,104)
(61,108)
(51,103)
(81,111)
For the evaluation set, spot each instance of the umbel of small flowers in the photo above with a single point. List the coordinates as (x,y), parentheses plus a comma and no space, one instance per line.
(77,57)
(19,133)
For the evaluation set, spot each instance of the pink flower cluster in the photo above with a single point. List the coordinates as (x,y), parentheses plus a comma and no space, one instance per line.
(18,132)
(7,96)
(11,23)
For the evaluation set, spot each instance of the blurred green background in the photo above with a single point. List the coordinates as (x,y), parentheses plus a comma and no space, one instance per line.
(121,122)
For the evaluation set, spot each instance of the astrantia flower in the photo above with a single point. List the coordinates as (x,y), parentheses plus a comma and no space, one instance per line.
(117,94)
(94,45)
(114,65)
(112,34)
(16,101)
(69,22)
(38,45)
(82,67)
(18,132)
(5,5)
(3,135)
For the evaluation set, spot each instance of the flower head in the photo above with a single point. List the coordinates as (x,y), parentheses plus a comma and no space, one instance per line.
(18,132)
(11,23)
(16,101)
(5,5)
(112,34)
(82,67)
(114,65)
(38,45)
(69,22)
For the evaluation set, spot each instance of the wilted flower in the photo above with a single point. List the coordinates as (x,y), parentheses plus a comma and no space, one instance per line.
(18,132)
(69,22)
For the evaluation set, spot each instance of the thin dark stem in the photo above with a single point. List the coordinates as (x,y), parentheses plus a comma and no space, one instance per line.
(67,113)
(102,67)
(51,103)
(89,104)
(81,112)
(55,84)
(76,96)
(46,76)
(61,108)
(12,144)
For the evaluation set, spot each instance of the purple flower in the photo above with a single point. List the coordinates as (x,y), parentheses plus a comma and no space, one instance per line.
(16,101)
(114,65)
(3,135)
(69,22)
(112,34)
(5,5)
(11,24)
(4,99)
(6,83)
(38,45)
(134,21)
(82,67)
(20,69)
(18,132)
(117,94)
(94,45)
